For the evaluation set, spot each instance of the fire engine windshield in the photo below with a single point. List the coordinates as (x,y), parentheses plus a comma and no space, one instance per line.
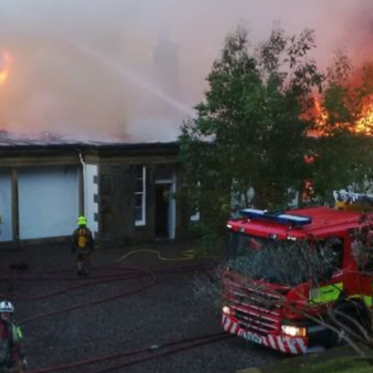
(241,244)
(283,262)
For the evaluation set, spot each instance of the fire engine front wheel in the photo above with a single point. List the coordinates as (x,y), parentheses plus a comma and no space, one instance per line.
(352,319)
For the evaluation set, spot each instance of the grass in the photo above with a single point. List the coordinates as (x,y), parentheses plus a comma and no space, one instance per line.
(339,365)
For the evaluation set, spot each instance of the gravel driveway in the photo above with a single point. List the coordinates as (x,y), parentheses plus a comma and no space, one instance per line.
(142,307)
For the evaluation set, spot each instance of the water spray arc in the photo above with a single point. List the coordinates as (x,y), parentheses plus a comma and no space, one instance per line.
(133,77)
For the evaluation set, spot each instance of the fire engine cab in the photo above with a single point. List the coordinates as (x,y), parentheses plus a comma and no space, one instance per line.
(292,316)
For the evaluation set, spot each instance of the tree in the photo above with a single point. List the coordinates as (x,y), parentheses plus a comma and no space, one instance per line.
(344,145)
(250,131)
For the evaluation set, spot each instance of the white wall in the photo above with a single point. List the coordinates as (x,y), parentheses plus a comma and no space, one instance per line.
(90,190)
(48,201)
(5,206)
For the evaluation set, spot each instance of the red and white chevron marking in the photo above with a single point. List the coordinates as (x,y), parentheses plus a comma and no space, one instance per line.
(287,344)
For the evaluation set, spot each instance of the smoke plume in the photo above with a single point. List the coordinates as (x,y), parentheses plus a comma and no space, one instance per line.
(116,69)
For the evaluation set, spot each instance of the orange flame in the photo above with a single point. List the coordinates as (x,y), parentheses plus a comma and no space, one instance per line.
(321,114)
(363,125)
(5,70)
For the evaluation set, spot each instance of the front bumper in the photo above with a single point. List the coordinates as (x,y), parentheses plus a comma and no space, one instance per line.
(283,343)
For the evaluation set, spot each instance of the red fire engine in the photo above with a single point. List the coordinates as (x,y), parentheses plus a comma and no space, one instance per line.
(291,318)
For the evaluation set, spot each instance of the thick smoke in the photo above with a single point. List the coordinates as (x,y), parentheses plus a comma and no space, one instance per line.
(134,69)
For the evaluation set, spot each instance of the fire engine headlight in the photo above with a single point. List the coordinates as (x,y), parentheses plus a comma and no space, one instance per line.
(226,310)
(294,331)
(291,238)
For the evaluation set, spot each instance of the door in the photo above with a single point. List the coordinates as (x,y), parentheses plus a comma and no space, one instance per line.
(48,201)
(162,208)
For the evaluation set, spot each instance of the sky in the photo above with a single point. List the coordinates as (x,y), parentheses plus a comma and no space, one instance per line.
(134,69)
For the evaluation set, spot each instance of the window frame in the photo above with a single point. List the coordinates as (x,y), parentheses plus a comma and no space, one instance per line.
(141,222)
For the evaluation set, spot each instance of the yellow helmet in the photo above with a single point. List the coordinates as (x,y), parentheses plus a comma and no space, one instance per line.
(82,220)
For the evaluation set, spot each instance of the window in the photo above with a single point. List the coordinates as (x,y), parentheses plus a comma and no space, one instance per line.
(140,195)
(333,252)
(196,216)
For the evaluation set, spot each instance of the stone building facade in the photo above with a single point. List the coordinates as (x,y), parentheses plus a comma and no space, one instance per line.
(128,192)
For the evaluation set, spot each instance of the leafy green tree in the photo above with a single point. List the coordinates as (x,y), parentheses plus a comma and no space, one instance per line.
(250,131)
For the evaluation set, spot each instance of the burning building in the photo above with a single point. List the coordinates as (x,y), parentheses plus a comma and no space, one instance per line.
(125,188)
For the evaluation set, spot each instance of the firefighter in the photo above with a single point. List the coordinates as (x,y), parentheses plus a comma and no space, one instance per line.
(12,356)
(82,246)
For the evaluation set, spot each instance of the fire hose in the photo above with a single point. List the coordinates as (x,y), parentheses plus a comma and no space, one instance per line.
(134,272)
(149,352)
(126,274)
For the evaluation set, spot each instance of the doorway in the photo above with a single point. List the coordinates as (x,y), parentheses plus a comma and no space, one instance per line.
(165,209)
(162,202)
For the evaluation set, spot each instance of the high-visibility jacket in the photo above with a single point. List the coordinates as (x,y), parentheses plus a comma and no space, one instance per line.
(82,240)
(11,342)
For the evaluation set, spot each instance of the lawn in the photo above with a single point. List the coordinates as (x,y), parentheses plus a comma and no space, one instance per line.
(340,365)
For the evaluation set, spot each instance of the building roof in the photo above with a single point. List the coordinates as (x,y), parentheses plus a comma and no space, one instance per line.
(46,140)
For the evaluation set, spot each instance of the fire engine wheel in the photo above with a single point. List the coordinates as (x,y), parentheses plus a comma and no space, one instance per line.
(345,316)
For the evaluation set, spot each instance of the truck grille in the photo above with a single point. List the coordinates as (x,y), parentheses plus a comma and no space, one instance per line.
(256,310)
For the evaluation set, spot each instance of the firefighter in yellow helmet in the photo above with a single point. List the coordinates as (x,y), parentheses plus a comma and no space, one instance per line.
(82,245)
